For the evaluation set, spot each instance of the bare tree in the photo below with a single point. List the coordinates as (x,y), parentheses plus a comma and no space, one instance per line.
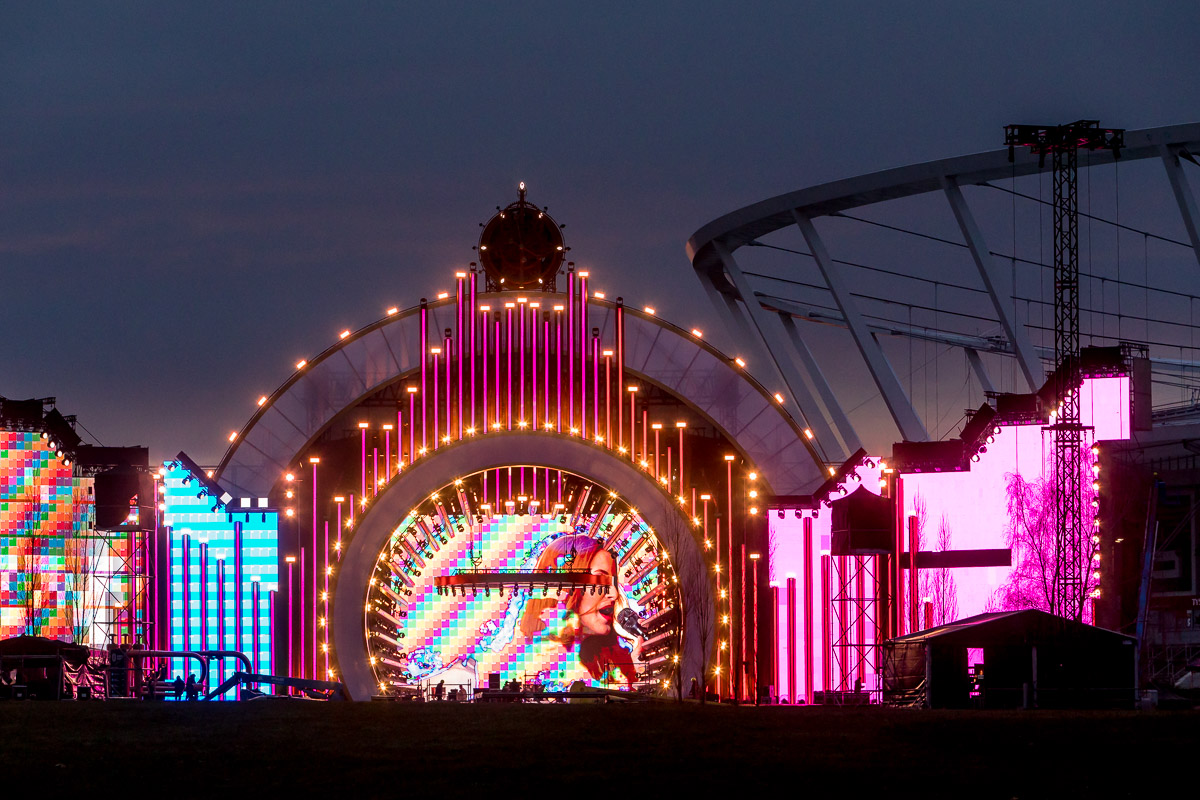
(1031,534)
(938,584)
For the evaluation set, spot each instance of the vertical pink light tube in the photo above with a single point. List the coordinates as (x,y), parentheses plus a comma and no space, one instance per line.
(471,345)
(185,545)
(449,350)
(669,481)
(533,364)
(826,627)
(596,385)
(645,434)
(621,374)
(571,348)
(412,426)
(608,437)
(583,349)
(729,629)
(458,335)
(486,310)
(729,532)
(521,360)
(914,577)
(809,661)
(271,605)
(339,529)
(632,427)
(375,471)
(315,561)
(302,615)
(793,689)
(558,367)
(221,615)
(238,583)
(508,372)
(204,596)
(325,602)
(387,454)
(424,365)
(496,368)
(254,625)
(860,622)
(362,470)
(545,367)
(742,622)
(437,428)
(291,662)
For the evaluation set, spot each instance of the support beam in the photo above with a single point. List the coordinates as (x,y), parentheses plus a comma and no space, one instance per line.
(845,429)
(910,425)
(796,389)
(1183,195)
(998,284)
(980,372)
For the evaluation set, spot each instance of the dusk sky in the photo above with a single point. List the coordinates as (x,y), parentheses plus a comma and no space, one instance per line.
(193,197)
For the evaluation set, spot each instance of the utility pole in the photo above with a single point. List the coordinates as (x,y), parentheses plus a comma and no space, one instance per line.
(1072,561)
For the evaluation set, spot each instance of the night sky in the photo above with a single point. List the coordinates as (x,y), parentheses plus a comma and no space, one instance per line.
(194,197)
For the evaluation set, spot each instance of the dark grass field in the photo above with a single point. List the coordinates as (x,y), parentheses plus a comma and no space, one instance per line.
(427,750)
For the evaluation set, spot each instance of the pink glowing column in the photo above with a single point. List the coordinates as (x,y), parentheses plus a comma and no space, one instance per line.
(583,350)
(254,625)
(291,605)
(632,427)
(546,368)
(791,641)
(387,451)
(449,350)
(826,627)
(860,623)
(720,606)
(520,360)
(621,373)
(185,546)
(437,428)
(558,351)
(303,652)
(608,437)
(271,640)
(809,672)
(204,596)
(472,345)
(460,322)
(221,617)
(570,347)
(742,620)
(412,424)
(596,383)
(325,602)
(914,579)
(496,369)
(533,364)
(486,310)
(424,350)
(238,583)
(508,363)
(375,471)
(362,463)
(315,561)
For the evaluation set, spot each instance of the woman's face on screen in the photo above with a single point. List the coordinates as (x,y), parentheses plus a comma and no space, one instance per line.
(596,610)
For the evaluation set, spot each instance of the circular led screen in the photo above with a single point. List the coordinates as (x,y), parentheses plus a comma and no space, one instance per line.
(603,609)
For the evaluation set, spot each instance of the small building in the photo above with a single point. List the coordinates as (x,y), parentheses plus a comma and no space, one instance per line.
(1011,659)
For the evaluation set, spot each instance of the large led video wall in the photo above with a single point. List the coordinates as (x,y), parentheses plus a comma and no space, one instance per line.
(539,635)
(1003,502)
(224,572)
(51,563)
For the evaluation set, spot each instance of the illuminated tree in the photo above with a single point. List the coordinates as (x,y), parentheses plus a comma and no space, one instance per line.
(1031,534)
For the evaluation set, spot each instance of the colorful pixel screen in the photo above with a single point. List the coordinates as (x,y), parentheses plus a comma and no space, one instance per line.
(49,560)
(540,635)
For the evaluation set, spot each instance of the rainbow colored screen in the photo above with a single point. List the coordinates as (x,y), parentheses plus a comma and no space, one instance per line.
(539,635)
(50,561)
